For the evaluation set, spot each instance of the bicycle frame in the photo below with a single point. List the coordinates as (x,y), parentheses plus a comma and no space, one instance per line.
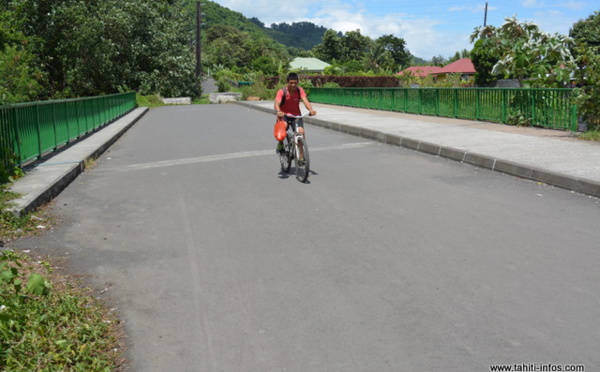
(295,133)
(296,149)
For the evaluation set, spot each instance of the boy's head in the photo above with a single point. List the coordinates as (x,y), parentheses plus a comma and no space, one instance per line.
(292,80)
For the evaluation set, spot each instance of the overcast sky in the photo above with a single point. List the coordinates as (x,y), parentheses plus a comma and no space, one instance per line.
(429,27)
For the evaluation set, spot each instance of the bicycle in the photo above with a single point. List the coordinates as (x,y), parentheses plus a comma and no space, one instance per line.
(295,148)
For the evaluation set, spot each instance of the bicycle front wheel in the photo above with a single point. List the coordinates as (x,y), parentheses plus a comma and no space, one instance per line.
(302,160)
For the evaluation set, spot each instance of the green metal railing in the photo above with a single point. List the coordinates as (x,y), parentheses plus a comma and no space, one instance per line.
(548,108)
(29,131)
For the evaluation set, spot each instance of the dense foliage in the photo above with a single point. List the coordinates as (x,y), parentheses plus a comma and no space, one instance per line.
(484,56)
(231,41)
(226,47)
(586,37)
(526,52)
(354,53)
(50,325)
(301,35)
(78,48)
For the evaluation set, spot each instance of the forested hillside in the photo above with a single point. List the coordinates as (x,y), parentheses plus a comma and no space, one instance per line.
(299,35)
(62,48)
(302,35)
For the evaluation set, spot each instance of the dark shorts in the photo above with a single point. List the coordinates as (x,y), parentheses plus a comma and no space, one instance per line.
(293,122)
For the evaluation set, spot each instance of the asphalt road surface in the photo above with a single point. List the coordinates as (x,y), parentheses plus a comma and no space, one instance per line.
(387,260)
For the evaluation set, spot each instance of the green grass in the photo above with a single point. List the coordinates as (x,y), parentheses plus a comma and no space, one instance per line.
(151,101)
(154,101)
(202,100)
(48,320)
(12,226)
(593,135)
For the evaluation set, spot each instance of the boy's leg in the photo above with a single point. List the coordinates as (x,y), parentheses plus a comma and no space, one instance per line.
(300,126)
(279,148)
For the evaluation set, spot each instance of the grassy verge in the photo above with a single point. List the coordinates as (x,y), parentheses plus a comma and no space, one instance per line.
(155,101)
(203,100)
(48,320)
(593,135)
(11,226)
(148,101)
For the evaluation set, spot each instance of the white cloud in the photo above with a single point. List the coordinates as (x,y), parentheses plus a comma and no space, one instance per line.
(479,8)
(530,3)
(423,35)
(573,5)
(553,21)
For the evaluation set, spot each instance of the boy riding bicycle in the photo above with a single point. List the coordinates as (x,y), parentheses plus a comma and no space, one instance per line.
(287,101)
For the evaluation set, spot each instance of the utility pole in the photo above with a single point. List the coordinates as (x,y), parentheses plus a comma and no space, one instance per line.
(198,25)
(485,16)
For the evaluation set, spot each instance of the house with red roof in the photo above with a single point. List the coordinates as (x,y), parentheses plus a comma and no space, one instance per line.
(463,66)
(420,71)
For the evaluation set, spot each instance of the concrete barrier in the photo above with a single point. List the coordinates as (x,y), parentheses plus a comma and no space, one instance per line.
(177,101)
(224,97)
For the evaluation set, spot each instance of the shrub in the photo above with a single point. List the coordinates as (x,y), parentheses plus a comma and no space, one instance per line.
(42,329)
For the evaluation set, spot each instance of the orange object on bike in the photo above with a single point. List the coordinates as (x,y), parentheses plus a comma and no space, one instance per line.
(279,130)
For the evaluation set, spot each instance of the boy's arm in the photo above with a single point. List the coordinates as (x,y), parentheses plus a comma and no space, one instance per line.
(278,106)
(308,106)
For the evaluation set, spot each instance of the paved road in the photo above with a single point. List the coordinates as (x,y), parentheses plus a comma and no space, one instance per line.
(209,85)
(388,260)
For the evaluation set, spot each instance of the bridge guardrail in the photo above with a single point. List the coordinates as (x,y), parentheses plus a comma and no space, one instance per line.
(547,108)
(29,131)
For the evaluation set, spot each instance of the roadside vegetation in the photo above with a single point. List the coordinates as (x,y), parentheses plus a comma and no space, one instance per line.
(593,135)
(48,320)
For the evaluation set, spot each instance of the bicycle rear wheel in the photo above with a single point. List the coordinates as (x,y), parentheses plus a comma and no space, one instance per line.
(285,158)
(302,163)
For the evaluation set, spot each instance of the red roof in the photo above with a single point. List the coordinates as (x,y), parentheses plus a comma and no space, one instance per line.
(420,71)
(462,66)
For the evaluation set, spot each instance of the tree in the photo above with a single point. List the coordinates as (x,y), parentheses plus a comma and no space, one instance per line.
(257,22)
(331,49)
(354,45)
(265,65)
(527,52)
(586,36)
(587,31)
(484,57)
(379,58)
(397,48)
(438,61)
(20,81)
(458,55)
(20,78)
(267,56)
(229,47)
(98,47)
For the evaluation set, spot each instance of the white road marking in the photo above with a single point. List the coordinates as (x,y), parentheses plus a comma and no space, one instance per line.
(235,155)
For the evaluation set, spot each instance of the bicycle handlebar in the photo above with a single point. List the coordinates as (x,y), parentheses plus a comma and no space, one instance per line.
(296,116)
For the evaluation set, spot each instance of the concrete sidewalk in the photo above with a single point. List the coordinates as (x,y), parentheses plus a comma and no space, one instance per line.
(550,156)
(47,179)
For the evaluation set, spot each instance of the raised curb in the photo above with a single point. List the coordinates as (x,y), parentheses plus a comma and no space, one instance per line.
(581,185)
(46,180)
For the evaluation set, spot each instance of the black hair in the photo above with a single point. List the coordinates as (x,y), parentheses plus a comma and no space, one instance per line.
(292,76)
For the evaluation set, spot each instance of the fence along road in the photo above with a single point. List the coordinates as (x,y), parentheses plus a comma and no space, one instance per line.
(398,261)
(544,155)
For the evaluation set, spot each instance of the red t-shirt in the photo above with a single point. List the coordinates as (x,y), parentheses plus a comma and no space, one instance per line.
(292,100)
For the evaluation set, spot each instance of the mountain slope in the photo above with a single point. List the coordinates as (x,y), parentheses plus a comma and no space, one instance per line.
(302,35)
